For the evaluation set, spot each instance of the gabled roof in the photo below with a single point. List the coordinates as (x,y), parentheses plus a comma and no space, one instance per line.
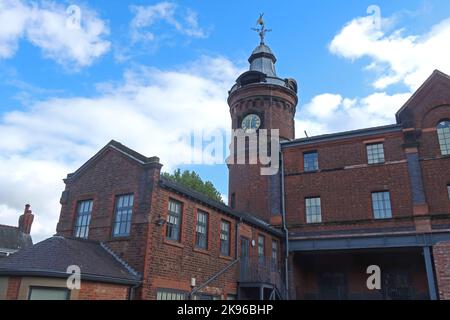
(197,196)
(52,257)
(12,239)
(435,76)
(117,146)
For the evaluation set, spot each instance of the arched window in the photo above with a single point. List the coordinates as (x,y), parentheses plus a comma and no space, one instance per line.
(443,130)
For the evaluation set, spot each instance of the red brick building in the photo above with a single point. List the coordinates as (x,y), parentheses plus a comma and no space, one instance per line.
(339,204)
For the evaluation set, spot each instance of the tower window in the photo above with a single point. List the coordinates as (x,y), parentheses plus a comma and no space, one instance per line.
(233,200)
(201,240)
(174,220)
(381,202)
(310,161)
(375,153)
(124,211)
(84,211)
(443,130)
(313,210)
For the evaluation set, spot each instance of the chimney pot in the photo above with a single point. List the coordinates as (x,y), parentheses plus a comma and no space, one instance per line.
(26,220)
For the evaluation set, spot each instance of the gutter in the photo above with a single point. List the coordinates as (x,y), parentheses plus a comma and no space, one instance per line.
(64,275)
(285,229)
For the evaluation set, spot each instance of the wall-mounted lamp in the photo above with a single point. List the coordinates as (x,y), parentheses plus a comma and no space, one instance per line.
(160,221)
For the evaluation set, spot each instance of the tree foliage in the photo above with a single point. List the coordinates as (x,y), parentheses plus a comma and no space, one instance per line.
(191,180)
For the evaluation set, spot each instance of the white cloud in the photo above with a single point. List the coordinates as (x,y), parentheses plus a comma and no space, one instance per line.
(183,21)
(395,56)
(56,32)
(342,114)
(148,111)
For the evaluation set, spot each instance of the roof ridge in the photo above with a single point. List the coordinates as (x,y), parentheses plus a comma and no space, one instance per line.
(120,260)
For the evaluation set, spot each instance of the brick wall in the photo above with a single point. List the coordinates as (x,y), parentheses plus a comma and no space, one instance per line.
(112,174)
(12,292)
(172,264)
(345,183)
(102,291)
(441,255)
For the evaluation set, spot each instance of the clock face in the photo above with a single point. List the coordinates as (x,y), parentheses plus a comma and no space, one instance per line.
(252,122)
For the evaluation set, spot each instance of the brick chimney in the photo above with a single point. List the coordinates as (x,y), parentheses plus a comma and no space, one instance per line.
(26,220)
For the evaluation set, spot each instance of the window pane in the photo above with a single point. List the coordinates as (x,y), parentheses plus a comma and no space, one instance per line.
(443,130)
(49,294)
(225,238)
(124,213)
(448,191)
(375,153)
(313,210)
(173,220)
(381,203)
(84,211)
(168,294)
(310,161)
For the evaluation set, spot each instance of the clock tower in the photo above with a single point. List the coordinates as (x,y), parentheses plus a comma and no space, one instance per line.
(260,100)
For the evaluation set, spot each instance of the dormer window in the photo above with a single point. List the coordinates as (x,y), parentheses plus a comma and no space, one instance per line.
(443,130)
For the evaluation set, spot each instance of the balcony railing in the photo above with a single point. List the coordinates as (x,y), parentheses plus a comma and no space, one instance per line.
(261,270)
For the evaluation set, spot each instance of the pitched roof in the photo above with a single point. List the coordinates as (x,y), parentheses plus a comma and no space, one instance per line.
(52,257)
(436,75)
(117,146)
(12,239)
(197,196)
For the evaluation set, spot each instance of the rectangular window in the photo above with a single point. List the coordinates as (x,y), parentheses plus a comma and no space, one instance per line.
(313,210)
(124,211)
(201,239)
(84,211)
(381,202)
(448,191)
(44,293)
(261,249)
(224,238)
(274,257)
(168,294)
(310,161)
(174,220)
(375,153)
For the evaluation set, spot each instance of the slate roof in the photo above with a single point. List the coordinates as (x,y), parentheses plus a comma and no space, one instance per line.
(343,135)
(51,257)
(12,239)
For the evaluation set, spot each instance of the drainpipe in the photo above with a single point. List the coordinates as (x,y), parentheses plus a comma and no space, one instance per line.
(285,229)
(132,291)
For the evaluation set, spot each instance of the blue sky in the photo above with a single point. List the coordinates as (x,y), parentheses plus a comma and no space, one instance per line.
(149,72)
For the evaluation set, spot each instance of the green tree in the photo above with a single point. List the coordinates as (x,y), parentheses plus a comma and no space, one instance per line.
(191,180)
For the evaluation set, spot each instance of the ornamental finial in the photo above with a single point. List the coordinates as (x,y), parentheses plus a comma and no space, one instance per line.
(262,30)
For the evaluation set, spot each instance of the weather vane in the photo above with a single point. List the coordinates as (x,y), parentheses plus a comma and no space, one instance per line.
(262,30)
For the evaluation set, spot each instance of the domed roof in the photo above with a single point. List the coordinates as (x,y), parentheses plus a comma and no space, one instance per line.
(262,48)
(263,60)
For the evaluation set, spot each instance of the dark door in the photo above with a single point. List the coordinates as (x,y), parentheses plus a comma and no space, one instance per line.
(397,286)
(245,250)
(333,286)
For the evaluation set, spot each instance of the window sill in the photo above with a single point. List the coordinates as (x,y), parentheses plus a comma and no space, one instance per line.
(226,257)
(173,243)
(120,238)
(202,251)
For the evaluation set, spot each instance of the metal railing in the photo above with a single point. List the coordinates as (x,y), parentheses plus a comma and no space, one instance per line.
(262,270)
